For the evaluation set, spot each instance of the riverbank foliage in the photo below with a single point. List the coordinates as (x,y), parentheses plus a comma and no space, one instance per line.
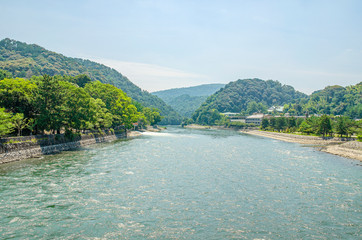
(26,60)
(324,125)
(65,103)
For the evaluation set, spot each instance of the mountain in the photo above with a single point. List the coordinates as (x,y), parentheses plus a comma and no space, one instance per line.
(26,60)
(239,95)
(186,100)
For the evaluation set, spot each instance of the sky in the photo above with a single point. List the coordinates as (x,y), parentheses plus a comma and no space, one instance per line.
(162,44)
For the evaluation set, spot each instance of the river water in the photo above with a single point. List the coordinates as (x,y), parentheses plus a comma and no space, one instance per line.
(183,184)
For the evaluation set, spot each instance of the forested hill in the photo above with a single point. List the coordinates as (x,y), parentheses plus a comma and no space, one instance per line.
(186,100)
(336,100)
(25,60)
(237,96)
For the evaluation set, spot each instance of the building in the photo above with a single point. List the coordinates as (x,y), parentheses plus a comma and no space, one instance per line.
(276,109)
(234,117)
(229,114)
(255,119)
(237,119)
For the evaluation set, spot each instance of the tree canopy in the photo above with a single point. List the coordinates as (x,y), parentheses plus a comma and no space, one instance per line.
(60,103)
(26,60)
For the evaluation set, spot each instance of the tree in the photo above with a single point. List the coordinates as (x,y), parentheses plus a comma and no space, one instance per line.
(19,122)
(6,125)
(252,107)
(5,74)
(305,128)
(264,123)
(116,101)
(81,80)
(50,103)
(272,123)
(280,123)
(152,115)
(17,95)
(292,123)
(325,126)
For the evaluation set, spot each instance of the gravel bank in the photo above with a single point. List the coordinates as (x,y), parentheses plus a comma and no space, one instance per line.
(337,146)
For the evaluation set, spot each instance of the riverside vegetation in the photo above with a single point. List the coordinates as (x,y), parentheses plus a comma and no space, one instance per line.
(64,103)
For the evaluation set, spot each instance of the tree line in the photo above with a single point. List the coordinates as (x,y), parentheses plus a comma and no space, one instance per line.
(324,125)
(64,103)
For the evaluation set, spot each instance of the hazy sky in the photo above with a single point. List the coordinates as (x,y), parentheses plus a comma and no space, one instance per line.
(166,44)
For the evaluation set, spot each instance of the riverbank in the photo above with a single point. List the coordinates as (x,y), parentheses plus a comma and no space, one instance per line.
(137,133)
(337,146)
(19,148)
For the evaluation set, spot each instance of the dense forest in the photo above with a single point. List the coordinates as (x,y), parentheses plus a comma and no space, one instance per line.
(64,103)
(241,95)
(26,60)
(186,100)
(332,100)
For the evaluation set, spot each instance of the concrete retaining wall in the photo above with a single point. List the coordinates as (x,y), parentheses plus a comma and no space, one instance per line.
(18,148)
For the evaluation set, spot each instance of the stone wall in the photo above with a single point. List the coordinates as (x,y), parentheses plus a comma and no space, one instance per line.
(18,148)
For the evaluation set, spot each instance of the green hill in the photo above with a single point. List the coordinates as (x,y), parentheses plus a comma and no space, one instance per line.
(26,60)
(186,100)
(237,96)
(336,100)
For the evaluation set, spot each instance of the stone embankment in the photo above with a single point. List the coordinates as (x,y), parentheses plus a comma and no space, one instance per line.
(345,147)
(18,148)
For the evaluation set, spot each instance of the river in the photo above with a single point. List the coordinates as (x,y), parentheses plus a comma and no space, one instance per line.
(183,184)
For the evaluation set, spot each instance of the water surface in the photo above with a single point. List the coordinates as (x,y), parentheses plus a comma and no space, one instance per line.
(183,184)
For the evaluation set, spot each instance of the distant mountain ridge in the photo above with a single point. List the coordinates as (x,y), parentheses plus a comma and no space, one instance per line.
(200,90)
(186,100)
(25,60)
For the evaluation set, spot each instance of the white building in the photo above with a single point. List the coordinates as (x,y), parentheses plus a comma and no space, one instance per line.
(255,119)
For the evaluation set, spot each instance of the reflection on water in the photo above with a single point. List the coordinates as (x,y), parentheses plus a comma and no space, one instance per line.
(183,184)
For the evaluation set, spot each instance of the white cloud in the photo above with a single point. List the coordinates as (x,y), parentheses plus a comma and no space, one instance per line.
(154,77)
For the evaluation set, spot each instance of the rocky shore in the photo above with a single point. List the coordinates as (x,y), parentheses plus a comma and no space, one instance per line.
(339,146)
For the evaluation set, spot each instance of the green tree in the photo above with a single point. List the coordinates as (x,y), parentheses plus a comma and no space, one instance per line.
(50,103)
(273,123)
(281,123)
(264,123)
(252,107)
(18,96)
(5,74)
(6,125)
(82,80)
(305,128)
(325,126)
(152,116)
(19,122)
(116,101)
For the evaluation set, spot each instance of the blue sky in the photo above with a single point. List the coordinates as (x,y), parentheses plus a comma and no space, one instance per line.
(308,44)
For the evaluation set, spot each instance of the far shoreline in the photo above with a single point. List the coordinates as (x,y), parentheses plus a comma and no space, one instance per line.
(336,146)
